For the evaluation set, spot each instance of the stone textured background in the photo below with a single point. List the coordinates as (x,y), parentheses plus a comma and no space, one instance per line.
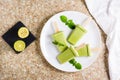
(30,64)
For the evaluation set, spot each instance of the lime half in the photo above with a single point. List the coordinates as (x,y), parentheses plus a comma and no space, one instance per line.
(23,32)
(19,45)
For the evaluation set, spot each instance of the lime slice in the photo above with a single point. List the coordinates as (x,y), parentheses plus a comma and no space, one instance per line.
(23,32)
(19,45)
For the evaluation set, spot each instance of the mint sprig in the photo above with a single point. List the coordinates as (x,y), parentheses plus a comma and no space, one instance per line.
(75,63)
(67,22)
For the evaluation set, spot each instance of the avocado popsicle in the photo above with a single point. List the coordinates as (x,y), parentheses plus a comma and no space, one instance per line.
(59,38)
(84,51)
(76,34)
(66,55)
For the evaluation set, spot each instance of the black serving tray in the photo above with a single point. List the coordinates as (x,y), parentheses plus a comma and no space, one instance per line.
(12,35)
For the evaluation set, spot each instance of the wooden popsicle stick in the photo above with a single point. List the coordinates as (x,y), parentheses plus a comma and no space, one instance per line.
(86,21)
(55,25)
(95,49)
(92,49)
(80,46)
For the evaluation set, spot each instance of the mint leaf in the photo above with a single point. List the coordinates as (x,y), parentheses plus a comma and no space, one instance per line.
(54,42)
(63,18)
(70,24)
(72,61)
(75,62)
(78,66)
(57,43)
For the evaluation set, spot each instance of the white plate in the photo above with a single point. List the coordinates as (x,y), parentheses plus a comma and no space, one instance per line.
(49,50)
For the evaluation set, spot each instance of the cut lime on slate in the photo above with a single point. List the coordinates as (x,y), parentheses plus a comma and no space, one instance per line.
(23,32)
(19,45)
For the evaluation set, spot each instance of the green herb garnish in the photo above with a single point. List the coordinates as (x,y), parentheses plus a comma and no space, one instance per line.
(71,24)
(67,22)
(77,65)
(57,43)
(72,61)
(63,18)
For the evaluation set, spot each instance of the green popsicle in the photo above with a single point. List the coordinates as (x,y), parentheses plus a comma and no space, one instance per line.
(60,39)
(65,56)
(84,51)
(76,34)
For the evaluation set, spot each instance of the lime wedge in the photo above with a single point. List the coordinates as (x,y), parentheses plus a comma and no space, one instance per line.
(19,45)
(23,32)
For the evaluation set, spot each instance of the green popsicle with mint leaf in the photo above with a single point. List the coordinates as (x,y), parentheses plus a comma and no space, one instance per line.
(76,34)
(78,30)
(59,38)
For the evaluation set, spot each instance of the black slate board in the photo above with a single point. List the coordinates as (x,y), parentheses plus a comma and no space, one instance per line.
(12,35)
